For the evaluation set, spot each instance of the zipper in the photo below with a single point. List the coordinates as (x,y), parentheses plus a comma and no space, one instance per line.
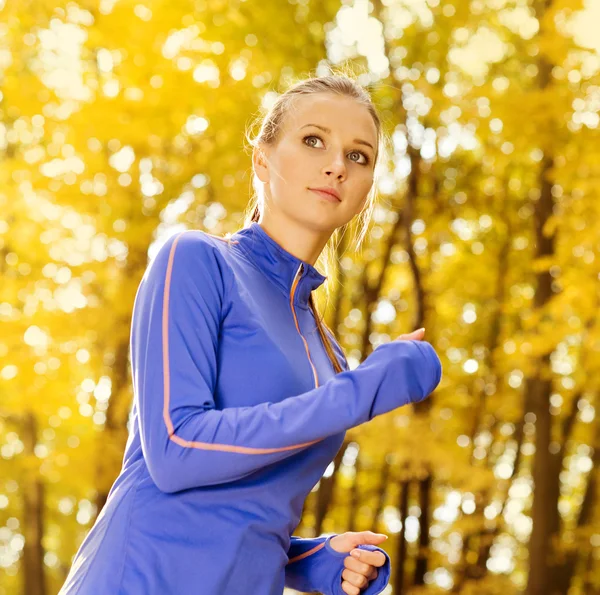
(292,294)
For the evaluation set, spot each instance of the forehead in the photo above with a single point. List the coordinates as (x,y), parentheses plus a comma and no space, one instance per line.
(337,112)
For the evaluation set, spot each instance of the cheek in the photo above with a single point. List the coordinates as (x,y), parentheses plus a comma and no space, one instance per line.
(363,183)
(361,187)
(288,167)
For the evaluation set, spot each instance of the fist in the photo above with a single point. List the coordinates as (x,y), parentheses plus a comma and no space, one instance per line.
(360,565)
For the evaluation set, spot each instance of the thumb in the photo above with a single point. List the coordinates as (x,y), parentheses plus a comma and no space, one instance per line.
(414,336)
(346,542)
(369,538)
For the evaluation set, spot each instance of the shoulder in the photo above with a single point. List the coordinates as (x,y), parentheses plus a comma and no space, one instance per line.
(192,253)
(192,246)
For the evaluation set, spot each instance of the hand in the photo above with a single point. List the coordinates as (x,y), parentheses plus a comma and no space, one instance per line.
(360,565)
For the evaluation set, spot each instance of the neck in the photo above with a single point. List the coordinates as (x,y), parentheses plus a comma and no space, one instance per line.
(290,273)
(304,243)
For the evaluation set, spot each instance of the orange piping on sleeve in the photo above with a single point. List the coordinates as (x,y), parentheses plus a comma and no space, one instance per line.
(308,553)
(167,384)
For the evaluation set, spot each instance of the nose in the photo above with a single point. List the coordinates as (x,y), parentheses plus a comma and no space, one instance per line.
(336,167)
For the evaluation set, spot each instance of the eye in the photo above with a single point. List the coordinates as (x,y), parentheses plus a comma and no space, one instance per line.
(308,142)
(361,154)
(311,136)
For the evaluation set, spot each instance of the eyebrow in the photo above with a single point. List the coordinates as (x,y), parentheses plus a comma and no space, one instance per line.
(324,129)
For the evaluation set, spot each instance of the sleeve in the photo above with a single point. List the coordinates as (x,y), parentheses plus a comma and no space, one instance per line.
(315,566)
(187,442)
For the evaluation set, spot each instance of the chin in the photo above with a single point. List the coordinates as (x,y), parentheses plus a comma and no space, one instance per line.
(321,224)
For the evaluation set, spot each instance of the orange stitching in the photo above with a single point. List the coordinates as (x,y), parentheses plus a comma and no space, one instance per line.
(165,338)
(167,384)
(308,553)
(239,449)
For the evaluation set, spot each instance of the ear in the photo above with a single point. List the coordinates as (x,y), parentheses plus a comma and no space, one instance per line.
(260,164)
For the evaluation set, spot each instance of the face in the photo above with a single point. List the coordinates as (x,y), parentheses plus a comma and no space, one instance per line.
(327,141)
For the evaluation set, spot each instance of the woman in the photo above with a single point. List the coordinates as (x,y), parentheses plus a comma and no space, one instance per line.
(242,396)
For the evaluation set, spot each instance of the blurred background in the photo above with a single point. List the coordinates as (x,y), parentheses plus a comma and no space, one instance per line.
(122,122)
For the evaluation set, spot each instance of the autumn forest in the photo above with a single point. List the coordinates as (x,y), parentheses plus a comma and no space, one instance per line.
(124,121)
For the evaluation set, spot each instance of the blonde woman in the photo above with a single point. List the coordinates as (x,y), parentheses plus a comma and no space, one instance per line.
(242,395)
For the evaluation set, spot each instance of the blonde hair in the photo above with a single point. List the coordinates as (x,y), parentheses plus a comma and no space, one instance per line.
(270,127)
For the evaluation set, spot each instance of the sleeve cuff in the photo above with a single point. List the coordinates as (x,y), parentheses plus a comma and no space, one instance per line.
(435,365)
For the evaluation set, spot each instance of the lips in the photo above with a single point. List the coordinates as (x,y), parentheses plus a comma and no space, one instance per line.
(329,193)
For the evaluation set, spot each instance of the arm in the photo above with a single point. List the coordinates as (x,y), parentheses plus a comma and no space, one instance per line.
(186,441)
(315,566)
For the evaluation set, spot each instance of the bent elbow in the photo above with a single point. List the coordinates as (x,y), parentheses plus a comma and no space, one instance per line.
(166,480)
(166,473)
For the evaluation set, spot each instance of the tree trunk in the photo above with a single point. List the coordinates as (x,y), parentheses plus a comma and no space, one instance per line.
(372,290)
(326,489)
(354,497)
(544,512)
(112,439)
(402,551)
(33,517)
(546,465)
(381,492)
(487,537)
(567,571)
(493,339)
(425,486)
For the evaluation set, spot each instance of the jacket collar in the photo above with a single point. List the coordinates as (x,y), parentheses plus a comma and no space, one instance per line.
(277,263)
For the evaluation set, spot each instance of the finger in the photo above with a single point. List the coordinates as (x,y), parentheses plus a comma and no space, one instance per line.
(373,575)
(350,589)
(372,558)
(355,579)
(357,566)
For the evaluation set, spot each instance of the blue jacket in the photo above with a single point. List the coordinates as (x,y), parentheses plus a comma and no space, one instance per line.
(237,413)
